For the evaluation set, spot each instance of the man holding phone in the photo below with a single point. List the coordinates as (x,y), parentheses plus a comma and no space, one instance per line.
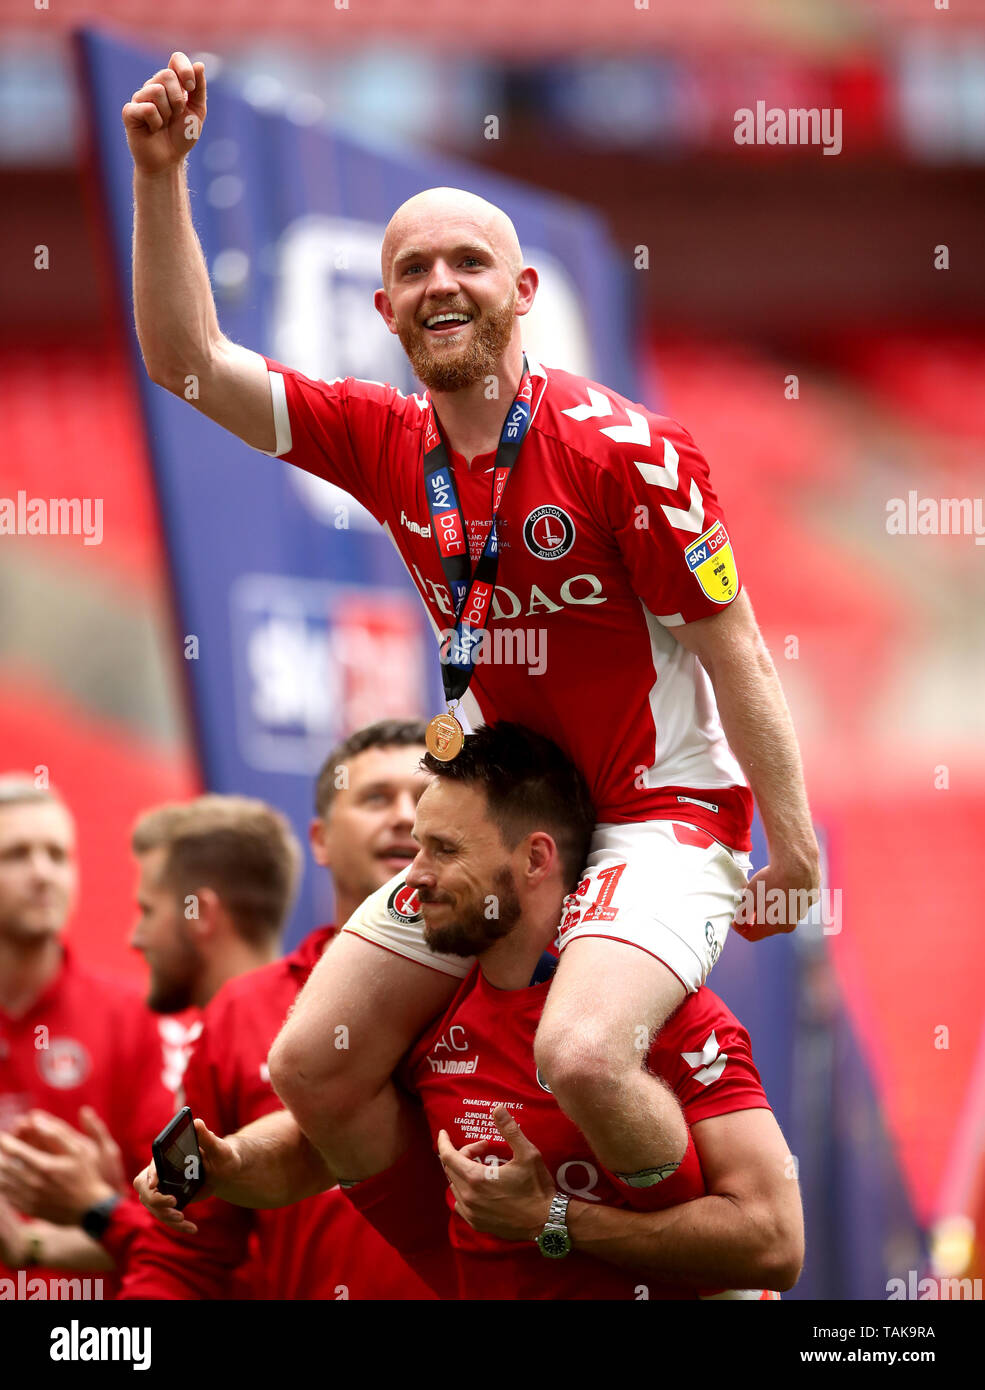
(500,834)
(178,1160)
(216,879)
(365,799)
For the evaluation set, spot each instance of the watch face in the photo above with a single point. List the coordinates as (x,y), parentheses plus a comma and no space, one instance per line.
(554,1243)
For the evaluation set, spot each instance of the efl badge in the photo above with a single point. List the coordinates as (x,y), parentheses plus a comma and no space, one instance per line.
(444,737)
(548,533)
(403,904)
(712,563)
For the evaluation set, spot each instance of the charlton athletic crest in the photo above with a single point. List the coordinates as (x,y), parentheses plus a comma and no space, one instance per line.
(64,1063)
(549,532)
(403,904)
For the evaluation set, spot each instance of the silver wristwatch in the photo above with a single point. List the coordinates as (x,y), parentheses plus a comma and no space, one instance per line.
(554,1240)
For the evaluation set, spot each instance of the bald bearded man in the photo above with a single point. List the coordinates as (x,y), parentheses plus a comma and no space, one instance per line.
(513,493)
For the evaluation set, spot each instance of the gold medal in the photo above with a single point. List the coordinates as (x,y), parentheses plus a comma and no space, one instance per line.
(444,737)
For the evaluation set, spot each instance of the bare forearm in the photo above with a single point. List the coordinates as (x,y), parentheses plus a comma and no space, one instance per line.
(758,726)
(279,1165)
(174,310)
(712,1242)
(68,1247)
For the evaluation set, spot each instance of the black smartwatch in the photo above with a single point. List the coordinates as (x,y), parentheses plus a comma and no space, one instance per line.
(97,1218)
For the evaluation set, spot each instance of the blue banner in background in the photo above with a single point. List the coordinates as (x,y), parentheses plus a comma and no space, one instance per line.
(298,622)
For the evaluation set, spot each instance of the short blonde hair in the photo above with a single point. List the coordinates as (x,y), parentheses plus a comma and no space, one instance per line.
(240,847)
(21,789)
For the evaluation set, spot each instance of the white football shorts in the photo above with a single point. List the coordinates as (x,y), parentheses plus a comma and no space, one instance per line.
(667,888)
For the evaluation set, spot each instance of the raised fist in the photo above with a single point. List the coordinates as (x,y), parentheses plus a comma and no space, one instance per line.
(165,117)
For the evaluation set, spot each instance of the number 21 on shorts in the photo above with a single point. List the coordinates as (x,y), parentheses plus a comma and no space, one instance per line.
(599,910)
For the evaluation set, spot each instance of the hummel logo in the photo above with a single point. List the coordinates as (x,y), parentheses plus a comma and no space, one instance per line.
(414,526)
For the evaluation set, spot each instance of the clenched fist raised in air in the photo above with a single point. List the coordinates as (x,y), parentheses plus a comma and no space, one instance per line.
(174,311)
(165,117)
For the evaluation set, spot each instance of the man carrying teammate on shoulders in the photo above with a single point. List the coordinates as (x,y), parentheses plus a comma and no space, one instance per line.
(502,830)
(525,1183)
(515,494)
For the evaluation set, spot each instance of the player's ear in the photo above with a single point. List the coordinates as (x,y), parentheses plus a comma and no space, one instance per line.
(526,288)
(201,911)
(317,840)
(541,857)
(385,309)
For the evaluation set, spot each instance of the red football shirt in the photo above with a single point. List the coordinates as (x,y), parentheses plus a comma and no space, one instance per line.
(320,1248)
(481,1055)
(88,1040)
(609,534)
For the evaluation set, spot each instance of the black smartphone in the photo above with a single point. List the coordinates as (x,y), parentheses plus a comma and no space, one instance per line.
(177,1158)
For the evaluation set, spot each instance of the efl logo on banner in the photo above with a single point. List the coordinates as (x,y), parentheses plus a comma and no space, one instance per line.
(312,661)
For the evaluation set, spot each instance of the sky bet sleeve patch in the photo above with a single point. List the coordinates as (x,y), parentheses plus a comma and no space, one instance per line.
(712,563)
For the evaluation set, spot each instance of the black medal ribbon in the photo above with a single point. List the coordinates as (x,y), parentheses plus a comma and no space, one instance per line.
(471,590)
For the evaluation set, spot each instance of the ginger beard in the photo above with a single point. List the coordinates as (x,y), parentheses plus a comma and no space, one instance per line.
(451,367)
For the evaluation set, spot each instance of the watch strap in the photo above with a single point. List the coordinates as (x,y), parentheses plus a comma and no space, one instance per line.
(97,1218)
(558,1214)
(554,1241)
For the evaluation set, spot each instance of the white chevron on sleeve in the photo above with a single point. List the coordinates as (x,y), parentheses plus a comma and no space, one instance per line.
(665,474)
(707,1054)
(691,520)
(598,406)
(661,474)
(636,432)
(657,474)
